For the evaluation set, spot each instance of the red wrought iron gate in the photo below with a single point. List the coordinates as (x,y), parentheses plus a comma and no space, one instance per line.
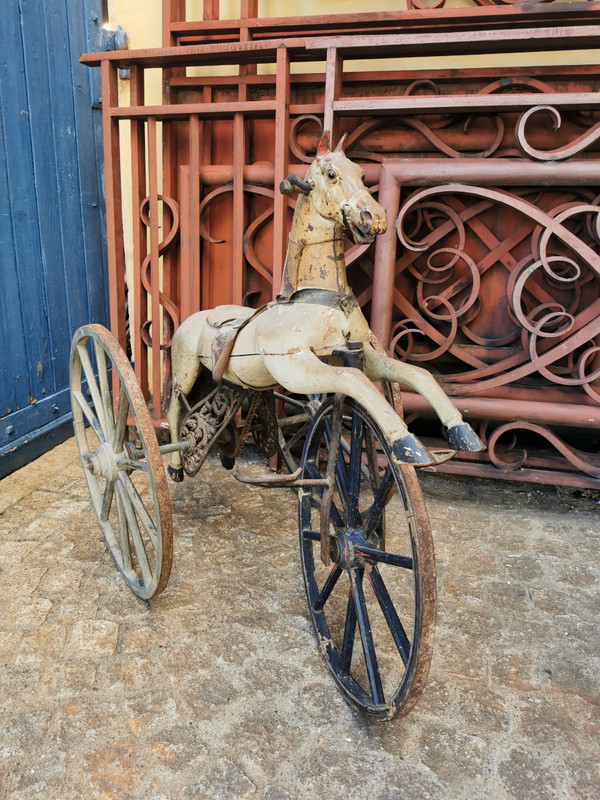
(489,273)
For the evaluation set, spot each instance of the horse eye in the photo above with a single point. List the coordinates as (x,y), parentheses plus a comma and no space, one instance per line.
(331,174)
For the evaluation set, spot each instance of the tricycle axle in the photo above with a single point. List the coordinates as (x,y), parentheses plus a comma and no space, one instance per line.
(173,447)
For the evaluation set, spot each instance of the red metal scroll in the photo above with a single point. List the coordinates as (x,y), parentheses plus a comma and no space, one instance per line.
(490,275)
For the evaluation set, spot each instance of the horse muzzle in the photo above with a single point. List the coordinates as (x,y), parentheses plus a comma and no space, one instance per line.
(362,224)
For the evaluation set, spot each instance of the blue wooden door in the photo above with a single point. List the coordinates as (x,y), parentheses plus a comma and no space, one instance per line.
(52,262)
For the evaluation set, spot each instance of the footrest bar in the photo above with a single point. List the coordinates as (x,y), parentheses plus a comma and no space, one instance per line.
(274,481)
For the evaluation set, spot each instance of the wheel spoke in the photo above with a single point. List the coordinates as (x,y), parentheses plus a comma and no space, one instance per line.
(354,471)
(89,415)
(372,472)
(310,471)
(341,471)
(128,463)
(95,495)
(390,614)
(294,422)
(374,478)
(300,434)
(349,632)
(107,499)
(120,420)
(372,553)
(313,536)
(123,534)
(139,506)
(366,636)
(382,497)
(328,587)
(105,389)
(335,515)
(134,534)
(90,377)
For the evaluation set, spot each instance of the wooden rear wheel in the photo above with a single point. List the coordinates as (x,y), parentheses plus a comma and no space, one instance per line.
(373,607)
(124,472)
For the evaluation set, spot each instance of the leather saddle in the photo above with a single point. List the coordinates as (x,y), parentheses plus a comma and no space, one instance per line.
(229,322)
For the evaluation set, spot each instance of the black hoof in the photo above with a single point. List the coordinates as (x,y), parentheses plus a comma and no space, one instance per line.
(409,450)
(463,437)
(175,473)
(227,462)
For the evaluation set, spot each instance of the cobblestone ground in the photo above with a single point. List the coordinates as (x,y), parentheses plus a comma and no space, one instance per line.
(216,689)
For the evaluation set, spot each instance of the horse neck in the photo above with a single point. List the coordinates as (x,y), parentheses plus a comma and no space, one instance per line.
(315,253)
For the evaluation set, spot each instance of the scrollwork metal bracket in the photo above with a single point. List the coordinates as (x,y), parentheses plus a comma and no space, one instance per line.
(203,424)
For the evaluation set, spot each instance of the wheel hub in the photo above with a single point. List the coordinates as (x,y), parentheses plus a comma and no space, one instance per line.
(344,544)
(103,462)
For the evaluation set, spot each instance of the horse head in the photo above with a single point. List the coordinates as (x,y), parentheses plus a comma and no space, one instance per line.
(338,193)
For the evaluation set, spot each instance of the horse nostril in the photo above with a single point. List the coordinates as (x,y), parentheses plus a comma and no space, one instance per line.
(366,217)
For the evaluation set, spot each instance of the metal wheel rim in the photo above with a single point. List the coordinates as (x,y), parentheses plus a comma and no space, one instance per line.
(147,573)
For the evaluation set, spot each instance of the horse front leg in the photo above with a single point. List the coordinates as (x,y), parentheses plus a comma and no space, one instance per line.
(304,373)
(380,367)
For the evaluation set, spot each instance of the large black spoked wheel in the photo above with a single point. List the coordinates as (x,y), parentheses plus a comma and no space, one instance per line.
(124,473)
(373,605)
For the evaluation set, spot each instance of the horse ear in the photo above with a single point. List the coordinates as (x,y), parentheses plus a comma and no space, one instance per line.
(323,144)
(341,147)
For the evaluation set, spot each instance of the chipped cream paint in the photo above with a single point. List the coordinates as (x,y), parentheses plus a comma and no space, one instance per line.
(283,344)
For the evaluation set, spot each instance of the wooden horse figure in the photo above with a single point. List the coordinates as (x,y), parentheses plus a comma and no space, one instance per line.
(315,315)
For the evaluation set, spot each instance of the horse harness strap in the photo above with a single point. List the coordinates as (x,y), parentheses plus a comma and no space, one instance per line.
(323,297)
(224,340)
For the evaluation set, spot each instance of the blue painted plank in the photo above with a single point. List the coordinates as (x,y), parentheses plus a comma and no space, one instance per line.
(22,206)
(13,356)
(34,445)
(85,25)
(64,263)
(23,202)
(43,118)
(21,423)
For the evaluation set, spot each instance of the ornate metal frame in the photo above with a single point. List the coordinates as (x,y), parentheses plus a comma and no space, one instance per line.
(490,276)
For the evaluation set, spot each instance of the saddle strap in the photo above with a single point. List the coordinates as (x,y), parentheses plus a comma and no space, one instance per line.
(221,348)
(224,340)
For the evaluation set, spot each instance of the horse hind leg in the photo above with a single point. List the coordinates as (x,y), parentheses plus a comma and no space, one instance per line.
(185,369)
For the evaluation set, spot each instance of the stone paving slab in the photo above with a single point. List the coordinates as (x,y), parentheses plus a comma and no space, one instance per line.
(216,688)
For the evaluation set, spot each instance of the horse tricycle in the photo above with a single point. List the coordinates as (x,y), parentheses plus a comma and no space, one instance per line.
(366,548)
